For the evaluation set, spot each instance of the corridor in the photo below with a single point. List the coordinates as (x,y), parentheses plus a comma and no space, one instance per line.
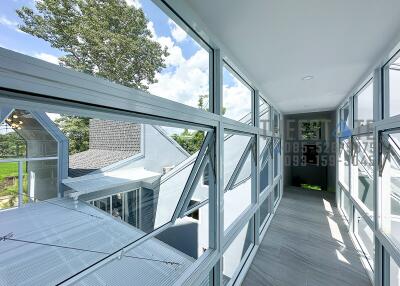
(307,244)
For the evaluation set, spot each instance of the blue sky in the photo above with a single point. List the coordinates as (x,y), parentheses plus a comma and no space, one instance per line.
(184,79)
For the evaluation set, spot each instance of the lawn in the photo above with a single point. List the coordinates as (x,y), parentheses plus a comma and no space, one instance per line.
(9,189)
(8,170)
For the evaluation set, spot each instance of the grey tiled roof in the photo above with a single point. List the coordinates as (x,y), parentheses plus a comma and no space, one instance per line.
(110,141)
(93,159)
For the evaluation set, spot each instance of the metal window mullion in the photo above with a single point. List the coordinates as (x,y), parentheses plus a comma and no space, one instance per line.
(240,164)
(216,197)
(379,255)
(193,177)
(256,171)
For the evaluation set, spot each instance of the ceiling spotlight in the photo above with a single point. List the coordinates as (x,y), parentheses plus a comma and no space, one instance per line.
(308,77)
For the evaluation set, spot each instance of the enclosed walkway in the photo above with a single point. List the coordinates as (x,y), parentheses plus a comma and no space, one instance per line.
(307,244)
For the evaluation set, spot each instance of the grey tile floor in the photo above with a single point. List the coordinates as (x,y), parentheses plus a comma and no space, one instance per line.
(307,244)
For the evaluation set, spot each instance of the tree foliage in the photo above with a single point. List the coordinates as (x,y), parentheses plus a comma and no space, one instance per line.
(107,38)
(12,145)
(76,129)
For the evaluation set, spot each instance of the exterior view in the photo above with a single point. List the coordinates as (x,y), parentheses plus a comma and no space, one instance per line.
(160,142)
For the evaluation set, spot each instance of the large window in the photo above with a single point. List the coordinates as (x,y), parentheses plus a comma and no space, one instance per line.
(133,43)
(238,173)
(344,162)
(90,174)
(277,157)
(265,211)
(365,237)
(112,166)
(265,162)
(392,73)
(237,97)
(345,205)
(237,252)
(363,184)
(364,105)
(344,118)
(265,114)
(394,273)
(390,192)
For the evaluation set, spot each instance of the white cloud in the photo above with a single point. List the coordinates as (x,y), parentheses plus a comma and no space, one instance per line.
(9,23)
(150,26)
(47,57)
(186,82)
(134,3)
(175,56)
(237,100)
(177,32)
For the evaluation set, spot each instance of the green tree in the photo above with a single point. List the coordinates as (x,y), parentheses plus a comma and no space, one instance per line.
(77,131)
(107,38)
(191,141)
(12,145)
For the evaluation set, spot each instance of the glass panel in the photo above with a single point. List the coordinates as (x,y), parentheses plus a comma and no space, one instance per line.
(276,122)
(344,162)
(23,135)
(365,237)
(390,183)
(364,105)
(344,118)
(133,43)
(237,252)
(277,157)
(238,198)
(265,111)
(394,273)
(265,161)
(189,234)
(128,178)
(363,146)
(236,97)
(201,191)
(265,211)
(234,147)
(394,87)
(276,193)
(345,205)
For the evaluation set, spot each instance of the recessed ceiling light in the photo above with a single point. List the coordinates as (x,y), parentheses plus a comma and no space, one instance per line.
(308,77)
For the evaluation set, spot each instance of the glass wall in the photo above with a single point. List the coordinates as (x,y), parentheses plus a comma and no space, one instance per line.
(155,53)
(345,204)
(344,162)
(371,182)
(364,105)
(236,253)
(392,73)
(394,273)
(237,97)
(365,237)
(390,193)
(364,171)
(108,152)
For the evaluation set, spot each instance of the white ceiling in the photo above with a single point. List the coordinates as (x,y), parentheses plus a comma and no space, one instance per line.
(278,42)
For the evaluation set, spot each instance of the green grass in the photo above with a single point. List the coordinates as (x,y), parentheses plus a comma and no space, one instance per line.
(8,170)
(311,187)
(11,170)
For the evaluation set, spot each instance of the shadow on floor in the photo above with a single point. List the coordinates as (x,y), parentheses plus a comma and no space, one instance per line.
(307,244)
